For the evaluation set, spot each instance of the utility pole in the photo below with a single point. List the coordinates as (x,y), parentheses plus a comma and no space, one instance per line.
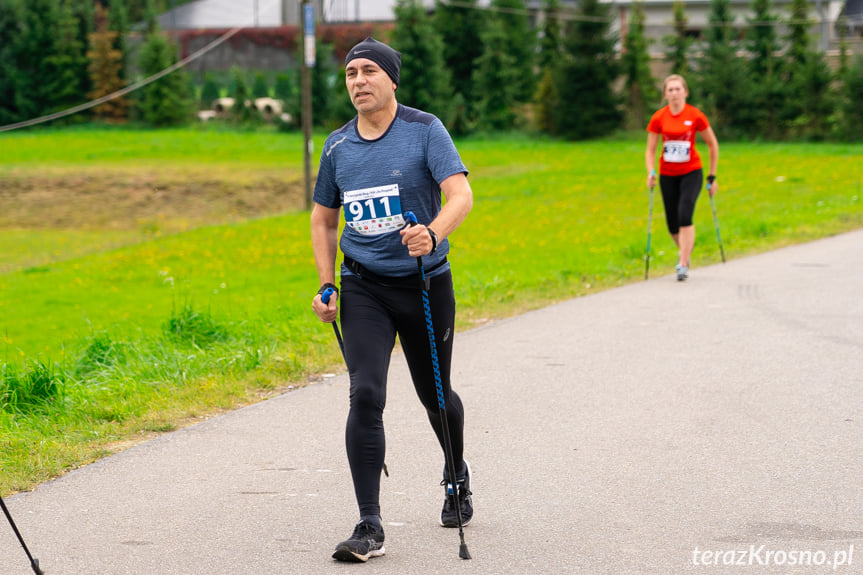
(307,17)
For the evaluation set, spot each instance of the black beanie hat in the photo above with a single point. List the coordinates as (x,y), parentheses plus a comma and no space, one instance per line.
(388,59)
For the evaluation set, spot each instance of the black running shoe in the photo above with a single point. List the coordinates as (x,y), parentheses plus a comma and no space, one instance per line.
(367,541)
(448,517)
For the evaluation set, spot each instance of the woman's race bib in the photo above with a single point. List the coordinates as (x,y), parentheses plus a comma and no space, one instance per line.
(676,151)
(374,211)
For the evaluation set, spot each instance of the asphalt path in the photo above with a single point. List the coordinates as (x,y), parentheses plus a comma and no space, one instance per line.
(657,428)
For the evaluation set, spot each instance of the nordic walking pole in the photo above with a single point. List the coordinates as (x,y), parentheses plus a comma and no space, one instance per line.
(649,226)
(716,224)
(325,297)
(34,563)
(450,463)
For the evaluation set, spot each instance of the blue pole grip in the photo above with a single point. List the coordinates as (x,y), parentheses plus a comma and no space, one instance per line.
(325,297)
(411,218)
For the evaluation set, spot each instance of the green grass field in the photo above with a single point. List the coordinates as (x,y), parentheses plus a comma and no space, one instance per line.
(151,278)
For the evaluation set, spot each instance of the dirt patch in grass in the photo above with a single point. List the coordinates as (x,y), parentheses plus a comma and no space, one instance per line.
(149,198)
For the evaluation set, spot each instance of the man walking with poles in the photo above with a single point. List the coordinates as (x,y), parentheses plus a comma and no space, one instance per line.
(389,160)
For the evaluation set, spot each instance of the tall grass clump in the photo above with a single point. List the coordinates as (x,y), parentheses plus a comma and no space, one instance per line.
(101,352)
(37,386)
(195,328)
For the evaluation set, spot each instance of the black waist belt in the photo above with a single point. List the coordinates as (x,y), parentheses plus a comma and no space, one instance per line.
(411,281)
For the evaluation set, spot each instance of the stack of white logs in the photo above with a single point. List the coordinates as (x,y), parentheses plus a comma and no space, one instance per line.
(270,109)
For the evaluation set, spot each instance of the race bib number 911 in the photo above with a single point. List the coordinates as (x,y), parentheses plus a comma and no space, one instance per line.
(374,211)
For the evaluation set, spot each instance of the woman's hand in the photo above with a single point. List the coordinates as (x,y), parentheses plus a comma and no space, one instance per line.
(651,180)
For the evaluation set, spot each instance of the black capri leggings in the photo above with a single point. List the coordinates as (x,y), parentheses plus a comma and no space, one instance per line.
(679,194)
(372,315)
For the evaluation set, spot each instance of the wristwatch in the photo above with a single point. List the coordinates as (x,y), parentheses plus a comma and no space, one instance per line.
(433,236)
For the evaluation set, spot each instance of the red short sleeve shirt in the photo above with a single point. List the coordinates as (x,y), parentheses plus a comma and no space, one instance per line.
(679,155)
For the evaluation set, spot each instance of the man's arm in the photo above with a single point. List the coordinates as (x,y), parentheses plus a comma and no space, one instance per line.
(325,236)
(459,201)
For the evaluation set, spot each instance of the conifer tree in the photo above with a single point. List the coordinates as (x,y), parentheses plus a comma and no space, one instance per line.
(106,63)
(842,29)
(260,88)
(496,80)
(640,86)
(798,36)
(521,43)
(459,27)
(70,59)
(35,59)
(851,128)
(588,105)
(243,111)
(287,91)
(546,102)
(549,44)
(721,72)
(167,101)
(341,108)
(324,76)
(546,97)
(118,22)
(813,99)
(209,91)
(767,89)
(678,43)
(425,82)
(809,106)
(10,16)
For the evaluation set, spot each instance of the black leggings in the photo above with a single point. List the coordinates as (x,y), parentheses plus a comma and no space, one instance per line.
(679,194)
(371,316)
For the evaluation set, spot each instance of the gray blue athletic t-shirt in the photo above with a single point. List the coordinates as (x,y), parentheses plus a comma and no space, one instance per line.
(377,181)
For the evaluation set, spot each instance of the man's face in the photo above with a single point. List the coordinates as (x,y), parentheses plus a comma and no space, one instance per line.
(369,87)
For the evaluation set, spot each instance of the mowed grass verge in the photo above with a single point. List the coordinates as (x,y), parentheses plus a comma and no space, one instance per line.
(137,328)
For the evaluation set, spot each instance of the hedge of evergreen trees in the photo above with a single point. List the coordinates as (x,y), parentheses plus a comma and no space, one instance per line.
(574,82)
(478,69)
(58,54)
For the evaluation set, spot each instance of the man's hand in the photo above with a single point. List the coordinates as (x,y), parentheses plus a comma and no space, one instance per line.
(326,312)
(417,239)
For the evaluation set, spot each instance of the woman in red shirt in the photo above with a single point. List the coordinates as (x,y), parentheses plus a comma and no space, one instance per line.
(680,171)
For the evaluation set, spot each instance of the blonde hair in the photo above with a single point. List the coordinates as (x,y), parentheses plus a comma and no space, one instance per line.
(672,78)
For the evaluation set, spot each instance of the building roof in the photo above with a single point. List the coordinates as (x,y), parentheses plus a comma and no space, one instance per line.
(853,9)
(223,14)
(270,13)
